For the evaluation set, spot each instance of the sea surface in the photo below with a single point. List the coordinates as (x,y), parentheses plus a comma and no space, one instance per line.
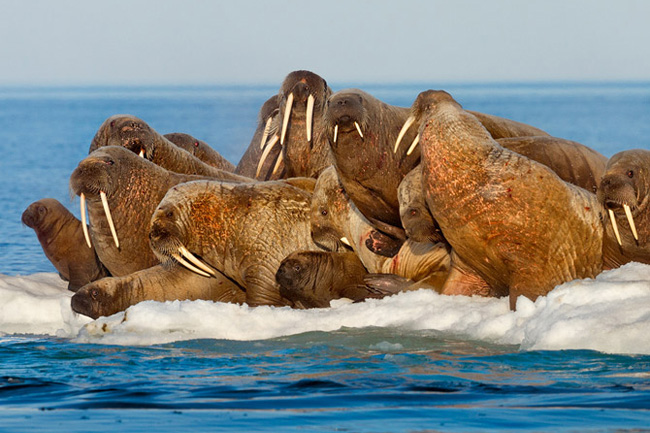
(577,360)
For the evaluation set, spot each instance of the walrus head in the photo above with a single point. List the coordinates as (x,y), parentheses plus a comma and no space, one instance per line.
(127,131)
(36,213)
(345,113)
(625,188)
(305,277)
(328,205)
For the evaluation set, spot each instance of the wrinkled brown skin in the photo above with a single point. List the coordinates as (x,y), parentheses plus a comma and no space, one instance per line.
(311,279)
(500,127)
(302,157)
(510,220)
(201,150)
(62,239)
(369,170)
(134,187)
(627,181)
(136,135)
(248,163)
(242,230)
(573,162)
(159,283)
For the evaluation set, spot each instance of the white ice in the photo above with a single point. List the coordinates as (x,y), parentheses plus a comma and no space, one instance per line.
(610,314)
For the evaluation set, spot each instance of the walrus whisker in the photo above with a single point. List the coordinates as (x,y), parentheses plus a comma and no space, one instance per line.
(278,161)
(190,267)
(630,220)
(614,226)
(309,115)
(267,132)
(192,258)
(285,119)
(336,132)
(107,211)
(265,154)
(416,140)
(402,132)
(358,129)
(84,226)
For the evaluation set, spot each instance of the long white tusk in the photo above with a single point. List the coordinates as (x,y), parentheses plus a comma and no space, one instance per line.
(84,227)
(265,154)
(192,258)
(277,162)
(309,115)
(107,211)
(336,132)
(614,226)
(630,220)
(141,154)
(416,140)
(402,131)
(358,129)
(346,241)
(267,131)
(285,119)
(192,268)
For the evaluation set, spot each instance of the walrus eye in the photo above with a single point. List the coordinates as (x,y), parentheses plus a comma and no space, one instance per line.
(414,212)
(323,212)
(109,162)
(296,268)
(630,174)
(42,210)
(196,144)
(94,293)
(112,123)
(170,214)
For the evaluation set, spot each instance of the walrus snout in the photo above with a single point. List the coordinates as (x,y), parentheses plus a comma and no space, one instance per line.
(85,301)
(616,191)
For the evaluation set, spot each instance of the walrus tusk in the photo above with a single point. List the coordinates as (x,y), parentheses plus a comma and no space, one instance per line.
(192,258)
(630,220)
(336,132)
(265,154)
(190,267)
(416,140)
(285,120)
(141,154)
(267,131)
(84,227)
(107,211)
(358,129)
(346,241)
(614,226)
(309,115)
(277,163)
(402,132)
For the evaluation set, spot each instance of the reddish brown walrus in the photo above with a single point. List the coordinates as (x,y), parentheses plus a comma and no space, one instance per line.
(512,222)
(200,149)
(132,187)
(240,230)
(137,136)
(62,239)
(625,192)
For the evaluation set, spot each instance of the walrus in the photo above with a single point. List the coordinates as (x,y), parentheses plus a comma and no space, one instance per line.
(61,237)
(511,222)
(624,192)
(260,161)
(301,100)
(122,191)
(137,136)
(200,149)
(311,279)
(159,283)
(415,216)
(241,230)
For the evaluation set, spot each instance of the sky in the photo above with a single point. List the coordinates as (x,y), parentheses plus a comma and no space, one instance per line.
(135,42)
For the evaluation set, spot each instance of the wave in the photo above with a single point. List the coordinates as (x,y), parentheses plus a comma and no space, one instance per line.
(610,314)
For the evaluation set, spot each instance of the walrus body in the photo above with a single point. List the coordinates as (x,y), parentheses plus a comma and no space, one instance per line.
(137,136)
(133,187)
(241,230)
(511,221)
(158,283)
(62,239)
(201,150)
(626,183)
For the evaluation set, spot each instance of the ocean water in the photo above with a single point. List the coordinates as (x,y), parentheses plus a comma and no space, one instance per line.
(575,360)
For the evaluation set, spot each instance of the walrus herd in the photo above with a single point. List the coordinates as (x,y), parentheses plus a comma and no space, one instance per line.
(341,195)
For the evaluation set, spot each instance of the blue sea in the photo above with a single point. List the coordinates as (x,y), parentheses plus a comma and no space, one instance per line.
(575,361)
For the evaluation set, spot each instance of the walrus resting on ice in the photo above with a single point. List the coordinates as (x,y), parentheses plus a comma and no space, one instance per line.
(625,192)
(511,222)
(62,239)
(243,231)
(200,149)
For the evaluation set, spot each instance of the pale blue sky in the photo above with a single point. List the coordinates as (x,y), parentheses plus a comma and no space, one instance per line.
(76,42)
